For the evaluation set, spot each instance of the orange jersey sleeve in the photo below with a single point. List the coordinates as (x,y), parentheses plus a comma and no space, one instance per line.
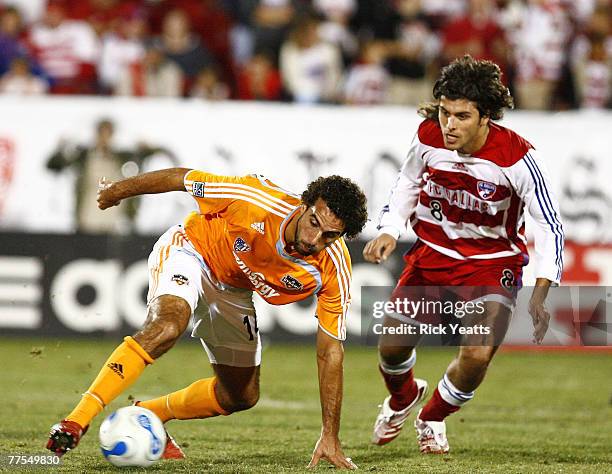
(335,295)
(213,193)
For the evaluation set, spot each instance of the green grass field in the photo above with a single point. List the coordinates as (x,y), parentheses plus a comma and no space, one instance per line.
(536,412)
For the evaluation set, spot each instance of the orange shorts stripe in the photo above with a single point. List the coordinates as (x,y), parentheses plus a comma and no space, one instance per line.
(164,252)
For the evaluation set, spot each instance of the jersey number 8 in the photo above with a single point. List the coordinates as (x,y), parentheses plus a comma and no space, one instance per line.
(436,210)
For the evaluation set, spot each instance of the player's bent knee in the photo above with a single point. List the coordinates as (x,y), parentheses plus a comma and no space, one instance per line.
(241,402)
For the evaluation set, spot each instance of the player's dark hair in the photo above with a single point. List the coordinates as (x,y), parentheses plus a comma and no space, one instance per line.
(478,81)
(343,197)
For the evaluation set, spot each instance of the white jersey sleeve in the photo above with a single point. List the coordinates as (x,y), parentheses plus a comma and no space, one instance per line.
(404,194)
(530,180)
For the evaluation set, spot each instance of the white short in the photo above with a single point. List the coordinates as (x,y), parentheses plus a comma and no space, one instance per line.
(224,316)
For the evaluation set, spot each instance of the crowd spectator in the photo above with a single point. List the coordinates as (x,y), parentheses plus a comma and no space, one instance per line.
(153,76)
(19,80)
(310,68)
(121,47)
(208,21)
(31,11)
(259,80)
(413,54)
(11,44)
(541,40)
(271,22)
(335,27)
(178,43)
(554,53)
(592,61)
(208,85)
(367,82)
(67,50)
(477,33)
(104,16)
(441,12)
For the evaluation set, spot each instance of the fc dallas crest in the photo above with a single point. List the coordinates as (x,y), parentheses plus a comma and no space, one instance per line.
(486,189)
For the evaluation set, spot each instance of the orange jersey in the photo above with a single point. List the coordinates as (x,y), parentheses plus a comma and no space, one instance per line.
(239,232)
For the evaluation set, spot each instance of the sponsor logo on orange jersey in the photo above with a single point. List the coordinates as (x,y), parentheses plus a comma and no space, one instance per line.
(258,280)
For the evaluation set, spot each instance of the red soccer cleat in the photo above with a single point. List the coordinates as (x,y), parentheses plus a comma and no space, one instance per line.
(389,422)
(65,436)
(431,436)
(172,450)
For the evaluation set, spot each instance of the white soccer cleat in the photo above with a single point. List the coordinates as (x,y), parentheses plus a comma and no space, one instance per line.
(389,422)
(431,436)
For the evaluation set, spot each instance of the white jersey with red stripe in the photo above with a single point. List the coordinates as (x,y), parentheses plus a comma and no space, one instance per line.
(472,206)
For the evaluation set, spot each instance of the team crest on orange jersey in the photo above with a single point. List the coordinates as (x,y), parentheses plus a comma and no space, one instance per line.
(198,189)
(291,283)
(240,245)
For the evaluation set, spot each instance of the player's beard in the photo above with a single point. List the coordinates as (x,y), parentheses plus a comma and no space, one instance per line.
(304,249)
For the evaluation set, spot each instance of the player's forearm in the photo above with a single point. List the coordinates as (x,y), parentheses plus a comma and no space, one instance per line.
(330,360)
(155,182)
(540,290)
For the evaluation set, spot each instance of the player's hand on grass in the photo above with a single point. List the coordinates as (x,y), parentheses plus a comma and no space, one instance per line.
(328,448)
(105,194)
(540,317)
(378,250)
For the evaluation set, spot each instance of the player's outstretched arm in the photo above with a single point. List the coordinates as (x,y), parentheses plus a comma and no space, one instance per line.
(330,360)
(162,181)
(378,250)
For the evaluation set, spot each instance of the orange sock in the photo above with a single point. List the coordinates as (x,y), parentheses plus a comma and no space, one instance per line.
(121,369)
(196,401)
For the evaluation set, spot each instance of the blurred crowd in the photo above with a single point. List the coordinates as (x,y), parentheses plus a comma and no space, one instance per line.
(555,54)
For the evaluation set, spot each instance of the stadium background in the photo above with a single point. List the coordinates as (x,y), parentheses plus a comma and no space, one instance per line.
(292,89)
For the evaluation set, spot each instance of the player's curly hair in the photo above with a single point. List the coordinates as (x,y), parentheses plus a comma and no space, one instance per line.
(343,197)
(478,81)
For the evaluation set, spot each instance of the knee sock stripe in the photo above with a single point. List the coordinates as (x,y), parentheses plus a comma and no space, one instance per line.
(458,395)
(168,406)
(452,394)
(454,389)
(399,369)
(96,398)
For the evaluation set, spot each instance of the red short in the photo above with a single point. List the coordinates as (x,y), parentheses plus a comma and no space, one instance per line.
(428,267)
(493,279)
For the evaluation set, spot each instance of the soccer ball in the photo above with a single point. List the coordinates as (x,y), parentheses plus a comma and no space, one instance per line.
(132,436)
